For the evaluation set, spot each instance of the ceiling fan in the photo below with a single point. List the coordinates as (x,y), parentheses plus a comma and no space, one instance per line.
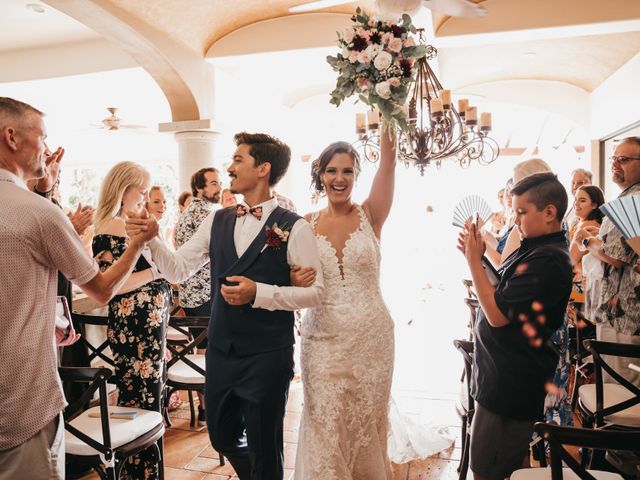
(113,123)
(456,8)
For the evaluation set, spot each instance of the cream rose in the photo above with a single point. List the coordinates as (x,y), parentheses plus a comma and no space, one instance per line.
(383,89)
(382,61)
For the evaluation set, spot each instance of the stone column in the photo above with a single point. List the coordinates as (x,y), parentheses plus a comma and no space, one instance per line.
(195,151)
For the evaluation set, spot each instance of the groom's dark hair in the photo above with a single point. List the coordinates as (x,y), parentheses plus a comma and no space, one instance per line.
(265,148)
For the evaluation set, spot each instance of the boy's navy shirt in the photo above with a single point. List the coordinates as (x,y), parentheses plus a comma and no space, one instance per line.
(510,373)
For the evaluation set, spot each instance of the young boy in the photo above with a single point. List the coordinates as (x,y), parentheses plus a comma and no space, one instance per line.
(513,359)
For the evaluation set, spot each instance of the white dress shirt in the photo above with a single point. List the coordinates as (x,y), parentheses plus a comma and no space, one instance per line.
(302,251)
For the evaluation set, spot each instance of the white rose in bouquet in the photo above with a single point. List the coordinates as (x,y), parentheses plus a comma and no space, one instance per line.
(382,61)
(373,50)
(383,89)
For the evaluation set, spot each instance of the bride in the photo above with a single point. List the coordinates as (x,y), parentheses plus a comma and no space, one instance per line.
(347,349)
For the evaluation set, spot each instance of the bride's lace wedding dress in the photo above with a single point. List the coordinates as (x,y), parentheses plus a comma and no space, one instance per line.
(350,427)
(347,355)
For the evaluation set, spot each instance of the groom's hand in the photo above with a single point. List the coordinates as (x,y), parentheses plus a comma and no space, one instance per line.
(243,292)
(141,225)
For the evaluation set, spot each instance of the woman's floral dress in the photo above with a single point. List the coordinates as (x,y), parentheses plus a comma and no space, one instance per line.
(137,336)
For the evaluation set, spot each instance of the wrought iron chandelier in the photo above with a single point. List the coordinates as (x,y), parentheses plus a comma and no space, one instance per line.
(439,130)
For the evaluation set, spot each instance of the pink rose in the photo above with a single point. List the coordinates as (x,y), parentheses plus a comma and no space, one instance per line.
(364,57)
(372,22)
(353,57)
(363,83)
(348,35)
(394,82)
(386,37)
(409,42)
(395,45)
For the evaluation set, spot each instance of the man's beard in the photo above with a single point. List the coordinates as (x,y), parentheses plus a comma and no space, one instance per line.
(215,198)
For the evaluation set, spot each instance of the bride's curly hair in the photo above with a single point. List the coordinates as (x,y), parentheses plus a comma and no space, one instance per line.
(319,165)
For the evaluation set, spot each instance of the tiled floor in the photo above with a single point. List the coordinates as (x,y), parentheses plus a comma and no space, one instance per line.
(189,456)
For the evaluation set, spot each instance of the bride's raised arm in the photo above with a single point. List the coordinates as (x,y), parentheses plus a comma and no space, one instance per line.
(378,204)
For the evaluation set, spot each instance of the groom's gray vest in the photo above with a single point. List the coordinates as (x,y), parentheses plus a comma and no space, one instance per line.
(246,329)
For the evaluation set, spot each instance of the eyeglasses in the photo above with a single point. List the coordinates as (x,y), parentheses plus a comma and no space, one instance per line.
(622,159)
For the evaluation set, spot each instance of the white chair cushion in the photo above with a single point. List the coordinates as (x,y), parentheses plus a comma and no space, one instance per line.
(613,394)
(175,335)
(122,431)
(180,372)
(567,474)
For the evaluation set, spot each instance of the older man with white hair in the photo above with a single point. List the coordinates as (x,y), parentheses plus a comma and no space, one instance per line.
(618,311)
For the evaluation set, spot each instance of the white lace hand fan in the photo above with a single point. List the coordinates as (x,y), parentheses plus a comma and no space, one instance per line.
(467,207)
(624,213)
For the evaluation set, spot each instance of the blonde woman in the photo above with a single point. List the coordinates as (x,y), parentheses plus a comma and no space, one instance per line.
(138,315)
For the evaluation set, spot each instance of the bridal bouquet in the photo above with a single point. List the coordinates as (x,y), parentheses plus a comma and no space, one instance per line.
(377,62)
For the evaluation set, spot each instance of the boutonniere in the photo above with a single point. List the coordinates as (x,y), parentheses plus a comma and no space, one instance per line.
(276,236)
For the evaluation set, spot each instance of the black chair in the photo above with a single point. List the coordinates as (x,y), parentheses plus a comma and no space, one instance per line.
(468,284)
(610,405)
(96,352)
(581,359)
(473,305)
(557,436)
(186,369)
(94,439)
(465,406)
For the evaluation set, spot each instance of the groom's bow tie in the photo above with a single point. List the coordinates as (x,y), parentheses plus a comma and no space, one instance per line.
(241,211)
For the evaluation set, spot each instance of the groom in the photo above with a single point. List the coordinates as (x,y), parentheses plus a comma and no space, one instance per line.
(252,247)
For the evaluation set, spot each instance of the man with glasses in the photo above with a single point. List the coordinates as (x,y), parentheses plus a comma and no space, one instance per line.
(618,313)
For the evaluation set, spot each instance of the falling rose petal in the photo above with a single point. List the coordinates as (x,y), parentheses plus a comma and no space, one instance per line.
(580,324)
(529,330)
(520,269)
(536,306)
(535,342)
(523,317)
(552,389)
(541,319)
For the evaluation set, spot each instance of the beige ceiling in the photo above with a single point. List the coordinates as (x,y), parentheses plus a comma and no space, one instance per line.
(199,24)
(584,62)
(579,42)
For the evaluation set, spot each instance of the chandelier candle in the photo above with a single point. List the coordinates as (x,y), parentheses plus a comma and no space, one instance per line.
(361,123)
(485,121)
(471,116)
(445,96)
(373,119)
(436,107)
(463,104)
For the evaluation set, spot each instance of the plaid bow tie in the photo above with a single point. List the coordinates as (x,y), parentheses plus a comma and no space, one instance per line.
(241,211)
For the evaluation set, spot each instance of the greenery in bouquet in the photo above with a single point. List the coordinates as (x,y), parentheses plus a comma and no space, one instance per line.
(378,63)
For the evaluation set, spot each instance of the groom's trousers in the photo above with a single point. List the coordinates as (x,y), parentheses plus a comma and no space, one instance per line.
(245,403)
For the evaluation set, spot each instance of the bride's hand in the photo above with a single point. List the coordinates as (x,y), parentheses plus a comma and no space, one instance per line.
(302,277)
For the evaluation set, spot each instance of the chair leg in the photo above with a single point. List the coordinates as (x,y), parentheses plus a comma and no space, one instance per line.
(464,461)
(101,473)
(192,408)
(114,473)
(463,439)
(161,459)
